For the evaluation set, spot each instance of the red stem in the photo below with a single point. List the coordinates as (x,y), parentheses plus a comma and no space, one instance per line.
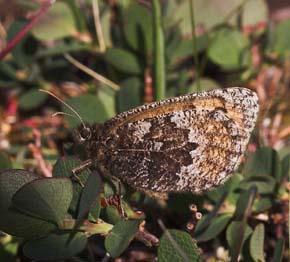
(26,29)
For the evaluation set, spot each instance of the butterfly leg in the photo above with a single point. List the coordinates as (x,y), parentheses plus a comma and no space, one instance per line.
(80,168)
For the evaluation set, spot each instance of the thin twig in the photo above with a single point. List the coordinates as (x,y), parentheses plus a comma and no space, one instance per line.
(26,29)
(196,63)
(98,26)
(92,73)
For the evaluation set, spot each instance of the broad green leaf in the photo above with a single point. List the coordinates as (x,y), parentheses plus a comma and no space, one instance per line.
(90,107)
(55,247)
(12,221)
(23,52)
(63,168)
(231,187)
(124,61)
(57,23)
(139,32)
(205,84)
(228,48)
(31,99)
(279,248)
(244,204)
(254,12)
(282,38)
(263,162)
(121,236)
(111,215)
(262,204)
(216,227)
(45,198)
(257,243)
(265,184)
(185,48)
(207,13)
(107,96)
(7,74)
(236,234)
(8,250)
(177,246)
(5,162)
(89,197)
(285,168)
(129,95)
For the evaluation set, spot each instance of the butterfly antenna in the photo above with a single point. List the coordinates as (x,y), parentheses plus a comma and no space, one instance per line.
(76,114)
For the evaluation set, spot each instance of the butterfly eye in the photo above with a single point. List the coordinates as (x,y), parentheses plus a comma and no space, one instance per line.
(85,133)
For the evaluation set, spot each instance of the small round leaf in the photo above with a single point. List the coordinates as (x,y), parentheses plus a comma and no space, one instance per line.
(46,198)
(55,246)
(177,246)
(121,236)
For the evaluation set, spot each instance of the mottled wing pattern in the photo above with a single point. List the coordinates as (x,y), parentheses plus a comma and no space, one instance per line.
(188,143)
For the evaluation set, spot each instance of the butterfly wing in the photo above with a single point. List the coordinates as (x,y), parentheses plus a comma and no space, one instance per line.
(188,143)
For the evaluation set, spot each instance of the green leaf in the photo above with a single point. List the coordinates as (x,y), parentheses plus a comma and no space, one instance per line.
(244,203)
(263,162)
(177,246)
(227,48)
(207,13)
(285,168)
(231,187)
(31,99)
(124,61)
(121,236)
(111,215)
(5,162)
(264,184)
(205,84)
(255,12)
(89,197)
(216,227)
(23,52)
(55,247)
(57,23)
(63,168)
(12,221)
(282,38)
(139,32)
(262,204)
(257,243)
(90,107)
(129,95)
(279,248)
(236,234)
(207,219)
(107,97)
(185,48)
(45,198)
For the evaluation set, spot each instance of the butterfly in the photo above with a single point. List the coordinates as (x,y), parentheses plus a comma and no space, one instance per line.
(189,143)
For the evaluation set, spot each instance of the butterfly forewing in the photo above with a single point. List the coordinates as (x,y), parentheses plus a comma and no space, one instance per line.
(188,143)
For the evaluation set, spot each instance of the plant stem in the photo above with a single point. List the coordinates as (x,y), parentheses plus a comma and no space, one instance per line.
(26,29)
(195,55)
(98,26)
(159,57)
(92,73)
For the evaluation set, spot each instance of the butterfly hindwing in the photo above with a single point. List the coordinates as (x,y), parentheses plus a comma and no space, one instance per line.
(188,143)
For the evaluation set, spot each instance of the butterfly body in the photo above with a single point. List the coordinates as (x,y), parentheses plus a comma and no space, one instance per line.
(189,143)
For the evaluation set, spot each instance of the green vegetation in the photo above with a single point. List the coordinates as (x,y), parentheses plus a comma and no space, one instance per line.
(106,57)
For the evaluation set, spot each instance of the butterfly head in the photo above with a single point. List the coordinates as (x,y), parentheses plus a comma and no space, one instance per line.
(83,134)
